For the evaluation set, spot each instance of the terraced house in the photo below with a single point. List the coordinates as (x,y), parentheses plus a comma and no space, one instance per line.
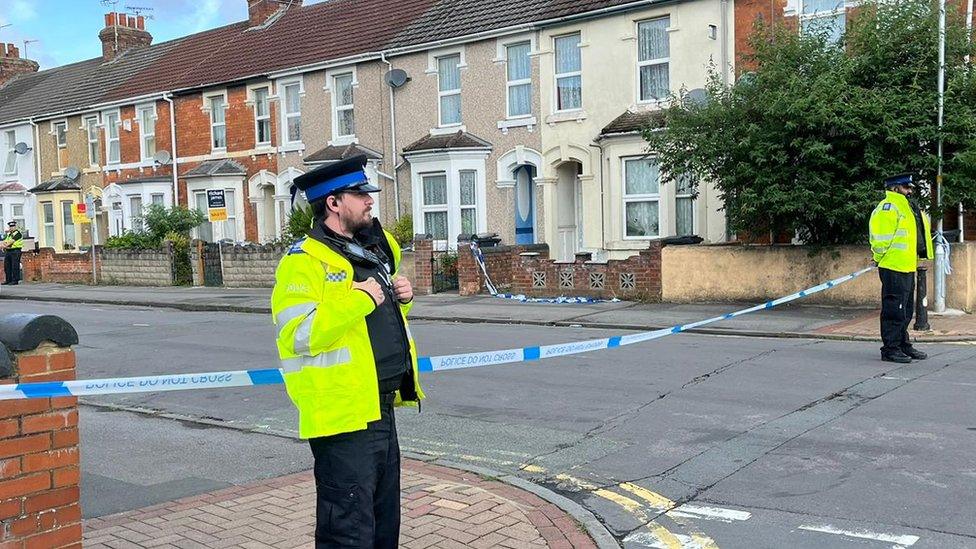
(520,118)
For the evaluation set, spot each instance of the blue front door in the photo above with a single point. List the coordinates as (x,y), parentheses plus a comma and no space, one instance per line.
(524,206)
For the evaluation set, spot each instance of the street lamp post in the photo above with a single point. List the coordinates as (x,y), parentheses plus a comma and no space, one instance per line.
(940,257)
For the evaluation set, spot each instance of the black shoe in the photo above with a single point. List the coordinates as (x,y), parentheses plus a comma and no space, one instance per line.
(4,284)
(914,353)
(896,356)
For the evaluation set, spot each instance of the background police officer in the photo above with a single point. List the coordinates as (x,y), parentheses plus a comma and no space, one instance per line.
(12,245)
(347,356)
(900,236)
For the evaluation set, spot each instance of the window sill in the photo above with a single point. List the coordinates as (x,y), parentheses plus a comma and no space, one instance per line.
(528,122)
(446,130)
(343,140)
(291,147)
(578,116)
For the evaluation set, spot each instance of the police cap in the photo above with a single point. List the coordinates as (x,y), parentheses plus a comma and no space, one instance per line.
(11,223)
(905,179)
(345,175)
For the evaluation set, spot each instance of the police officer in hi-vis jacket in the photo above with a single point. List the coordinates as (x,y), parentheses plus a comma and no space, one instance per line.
(900,236)
(347,355)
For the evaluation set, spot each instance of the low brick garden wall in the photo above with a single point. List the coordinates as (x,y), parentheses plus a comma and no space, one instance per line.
(137,267)
(44,265)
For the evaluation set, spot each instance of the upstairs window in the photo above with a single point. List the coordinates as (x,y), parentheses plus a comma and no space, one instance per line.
(653,59)
(449,89)
(61,139)
(91,132)
(292,112)
(218,123)
(828,16)
(343,113)
(112,136)
(10,165)
(569,76)
(147,131)
(262,117)
(519,75)
(684,207)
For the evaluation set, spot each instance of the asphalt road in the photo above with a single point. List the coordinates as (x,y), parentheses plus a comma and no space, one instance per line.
(761,442)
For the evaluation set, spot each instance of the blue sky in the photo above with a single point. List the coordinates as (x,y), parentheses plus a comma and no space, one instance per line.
(67,30)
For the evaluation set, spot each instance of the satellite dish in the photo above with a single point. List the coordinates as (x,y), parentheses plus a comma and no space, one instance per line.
(396,78)
(21,148)
(162,157)
(71,173)
(697,96)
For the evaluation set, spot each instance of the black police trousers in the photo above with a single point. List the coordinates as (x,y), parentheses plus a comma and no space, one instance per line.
(357,484)
(897,308)
(11,266)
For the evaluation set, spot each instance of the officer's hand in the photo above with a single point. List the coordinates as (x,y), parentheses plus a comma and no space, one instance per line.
(371,287)
(403,289)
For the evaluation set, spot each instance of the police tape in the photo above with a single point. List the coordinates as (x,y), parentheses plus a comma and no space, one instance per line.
(273,376)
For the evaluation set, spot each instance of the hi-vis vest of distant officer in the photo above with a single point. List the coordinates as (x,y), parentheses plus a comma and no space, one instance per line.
(16,240)
(323,342)
(894,241)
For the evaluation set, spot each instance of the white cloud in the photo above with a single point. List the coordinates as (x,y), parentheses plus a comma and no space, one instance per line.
(204,15)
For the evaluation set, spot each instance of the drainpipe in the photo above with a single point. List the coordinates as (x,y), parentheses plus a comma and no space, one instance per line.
(969,37)
(37,172)
(603,205)
(724,37)
(168,97)
(396,183)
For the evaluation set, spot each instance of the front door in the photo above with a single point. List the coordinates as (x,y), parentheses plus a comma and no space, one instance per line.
(567,210)
(524,206)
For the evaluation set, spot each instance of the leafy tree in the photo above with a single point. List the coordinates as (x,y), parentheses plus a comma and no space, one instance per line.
(160,221)
(803,141)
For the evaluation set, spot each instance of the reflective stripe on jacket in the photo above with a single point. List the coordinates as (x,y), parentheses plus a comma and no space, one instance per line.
(894,240)
(16,240)
(323,342)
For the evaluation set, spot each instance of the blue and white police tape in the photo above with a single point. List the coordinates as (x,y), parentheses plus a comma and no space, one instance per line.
(479,258)
(243,378)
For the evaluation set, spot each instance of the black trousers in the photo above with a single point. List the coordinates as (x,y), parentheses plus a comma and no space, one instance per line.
(357,483)
(897,308)
(11,265)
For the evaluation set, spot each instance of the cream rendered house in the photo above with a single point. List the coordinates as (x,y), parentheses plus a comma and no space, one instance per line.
(601,81)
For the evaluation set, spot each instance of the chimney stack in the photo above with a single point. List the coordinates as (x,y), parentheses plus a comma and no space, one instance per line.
(259,11)
(123,32)
(11,64)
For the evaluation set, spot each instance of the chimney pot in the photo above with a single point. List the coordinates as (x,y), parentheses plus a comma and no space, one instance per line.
(110,19)
(12,51)
(3,50)
(132,22)
(141,22)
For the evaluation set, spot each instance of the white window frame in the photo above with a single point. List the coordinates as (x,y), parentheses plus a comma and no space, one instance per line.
(65,225)
(461,206)
(332,88)
(282,87)
(54,132)
(452,164)
(135,223)
(651,62)
(694,208)
(52,224)
(91,123)
(143,134)
(436,208)
(649,197)
(804,18)
(258,119)
(559,75)
(520,82)
(106,121)
(20,219)
(208,108)
(162,199)
(227,183)
(10,160)
(448,93)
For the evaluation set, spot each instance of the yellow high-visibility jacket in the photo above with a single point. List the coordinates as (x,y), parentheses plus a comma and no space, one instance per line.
(894,241)
(323,343)
(15,240)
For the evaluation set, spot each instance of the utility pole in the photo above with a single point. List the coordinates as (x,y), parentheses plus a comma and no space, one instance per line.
(940,257)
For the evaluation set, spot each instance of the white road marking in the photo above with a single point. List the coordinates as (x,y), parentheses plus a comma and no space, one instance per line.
(710,513)
(903,541)
(649,539)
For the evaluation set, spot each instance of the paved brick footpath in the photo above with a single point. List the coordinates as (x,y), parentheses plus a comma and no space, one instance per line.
(442,508)
(943,327)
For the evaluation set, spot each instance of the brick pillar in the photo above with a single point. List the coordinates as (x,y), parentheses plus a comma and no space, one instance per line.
(650,287)
(469,275)
(423,248)
(39,473)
